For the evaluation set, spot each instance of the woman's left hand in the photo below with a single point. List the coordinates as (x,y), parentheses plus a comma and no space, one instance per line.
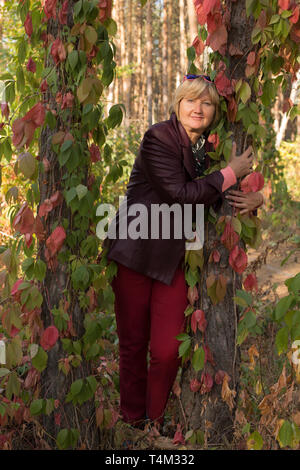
(246,202)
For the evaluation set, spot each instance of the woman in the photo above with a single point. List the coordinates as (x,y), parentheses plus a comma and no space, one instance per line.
(150,288)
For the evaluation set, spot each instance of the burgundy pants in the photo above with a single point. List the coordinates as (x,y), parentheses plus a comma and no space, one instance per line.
(148,312)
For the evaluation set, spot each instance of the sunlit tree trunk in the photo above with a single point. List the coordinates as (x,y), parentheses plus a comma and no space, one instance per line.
(193,25)
(149,63)
(285,118)
(182,37)
(170,66)
(165,77)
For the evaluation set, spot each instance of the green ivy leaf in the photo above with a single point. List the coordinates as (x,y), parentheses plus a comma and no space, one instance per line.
(36,407)
(67,438)
(39,361)
(76,387)
(81,191)
(255,441)
(4,372)
(283,306)
(198,359)
(73,59)
(40,270)
(13,386)
(245,92)
(115,116)
(184,347)
(285,435)
(282,339)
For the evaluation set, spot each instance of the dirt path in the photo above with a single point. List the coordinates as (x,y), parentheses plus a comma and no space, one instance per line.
(272,272)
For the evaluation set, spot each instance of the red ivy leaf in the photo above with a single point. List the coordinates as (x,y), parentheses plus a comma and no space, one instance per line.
(250,283)
(214,139)
(23,128)
(238,259)
(198,319)
(55,241)
(24,220)
(58,51)
(232,108)
(251,58)
(105,7)
(214,256)
(50,8)
(192,294)
(206,382)
(223,84)
(178,437)
(44,86)
(198,45)
(36,115)
(284,4)
(14,290)
(57,418)
(94,153)
(30,66)
(63,13)
(217,40)
(208,355)
(28,25)
(295,16)
(252,183)
(49,337)
(214,21)
(219,376)
(5,110)
(195,385)
(229,237)
(67,101)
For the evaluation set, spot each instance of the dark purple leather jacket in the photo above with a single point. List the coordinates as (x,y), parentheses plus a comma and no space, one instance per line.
(163,172)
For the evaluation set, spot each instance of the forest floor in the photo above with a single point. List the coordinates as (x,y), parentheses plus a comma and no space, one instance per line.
(271,273)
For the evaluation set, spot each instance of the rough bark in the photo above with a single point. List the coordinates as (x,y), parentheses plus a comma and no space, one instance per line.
(165,77)
(149,63)
(170,66)
(182,37)
(208,411)
(193,26)
(55,287)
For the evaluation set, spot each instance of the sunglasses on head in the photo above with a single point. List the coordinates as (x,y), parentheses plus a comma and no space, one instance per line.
(192,77)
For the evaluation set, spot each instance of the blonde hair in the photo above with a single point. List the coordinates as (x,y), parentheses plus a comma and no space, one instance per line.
(193,89)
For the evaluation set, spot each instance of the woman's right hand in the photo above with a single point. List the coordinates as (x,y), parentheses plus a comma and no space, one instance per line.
(242,164)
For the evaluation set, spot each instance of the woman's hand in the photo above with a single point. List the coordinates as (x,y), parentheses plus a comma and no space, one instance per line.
(241,165)
(245,201)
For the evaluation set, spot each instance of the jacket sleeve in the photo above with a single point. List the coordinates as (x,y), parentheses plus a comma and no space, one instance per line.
(160,160)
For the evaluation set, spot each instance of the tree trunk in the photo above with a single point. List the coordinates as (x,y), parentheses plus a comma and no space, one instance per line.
(208,411)
(182,38)
(149,63)
(170,66)
(123,56)
(193,25)
(57,292)
(285,118)
(129,54)
(164,76)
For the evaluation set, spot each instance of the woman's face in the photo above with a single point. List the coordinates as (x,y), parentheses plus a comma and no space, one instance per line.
(196,114)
